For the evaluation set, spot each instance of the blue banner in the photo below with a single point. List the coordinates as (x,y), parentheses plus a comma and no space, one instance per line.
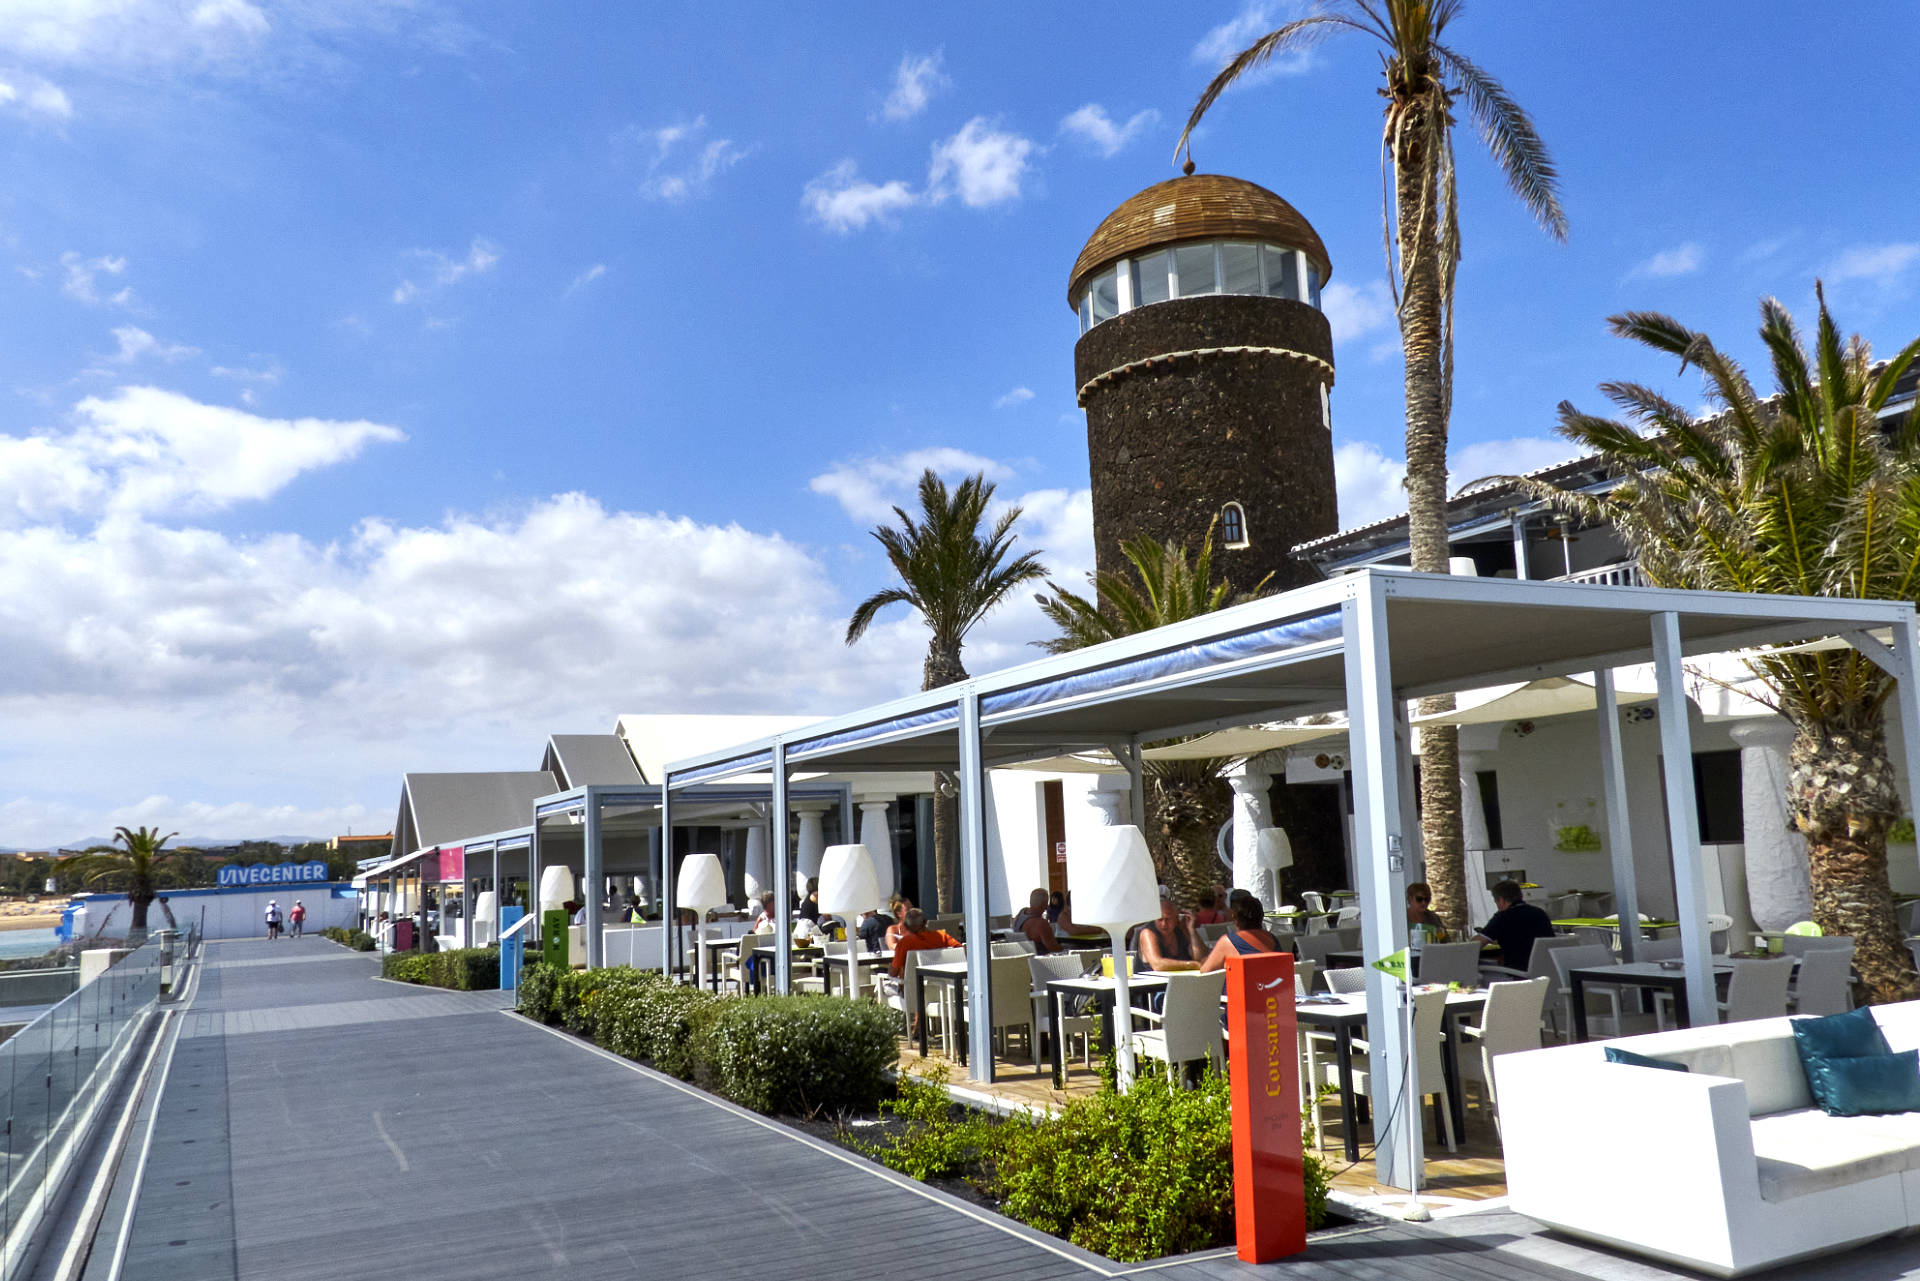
(272,873)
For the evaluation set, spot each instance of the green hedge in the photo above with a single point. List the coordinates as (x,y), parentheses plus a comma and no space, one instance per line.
(799,1055)
(464,969)
(358,940)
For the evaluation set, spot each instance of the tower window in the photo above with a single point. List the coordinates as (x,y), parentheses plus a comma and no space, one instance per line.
(1233,526)
(1282,280)
(1150,279)
(1193,270)
(1326,408)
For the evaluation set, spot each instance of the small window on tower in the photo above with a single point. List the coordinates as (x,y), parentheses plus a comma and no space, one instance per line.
(1233,526)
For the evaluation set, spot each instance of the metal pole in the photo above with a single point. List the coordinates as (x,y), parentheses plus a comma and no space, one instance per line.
(1520,547)
(973,888)
(666,864)
(782,876)
(590,893)
(1906,695)
(1136,789)
(1613,789)
(533,888)
(1381,857)
(499,895)
(1683,822)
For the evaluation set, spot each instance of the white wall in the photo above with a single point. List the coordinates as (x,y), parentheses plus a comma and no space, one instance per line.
(238,913)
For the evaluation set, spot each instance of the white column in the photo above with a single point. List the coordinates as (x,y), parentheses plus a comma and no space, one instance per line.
(1778,891)
(1107,796)
(759,877)
(1251,812)
(813,841)
(875,835)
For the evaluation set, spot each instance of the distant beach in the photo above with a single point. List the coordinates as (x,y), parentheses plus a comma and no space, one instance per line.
(30,916)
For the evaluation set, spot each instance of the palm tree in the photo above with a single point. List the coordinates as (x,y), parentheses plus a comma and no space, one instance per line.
(1805,493)
(1188,799)
(1422,233)
(137,870)
(954,575)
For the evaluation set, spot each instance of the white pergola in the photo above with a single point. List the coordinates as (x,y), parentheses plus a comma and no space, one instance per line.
(1366,643)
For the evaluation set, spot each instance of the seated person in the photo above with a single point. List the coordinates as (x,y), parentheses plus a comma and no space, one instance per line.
(1056,904)
(1216,911)
(1419,896)
(1167,944)
(1032,925)
(1515,925)
(916,937)
(1248,936)
(768,920)
(899,905)
(873,929)
(810,906)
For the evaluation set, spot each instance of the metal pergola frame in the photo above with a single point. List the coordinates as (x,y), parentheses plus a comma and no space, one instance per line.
(1367,642)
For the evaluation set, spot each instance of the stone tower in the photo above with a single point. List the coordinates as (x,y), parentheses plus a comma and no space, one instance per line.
(1205,368)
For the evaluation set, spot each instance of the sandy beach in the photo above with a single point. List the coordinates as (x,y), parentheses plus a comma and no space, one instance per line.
(29,916)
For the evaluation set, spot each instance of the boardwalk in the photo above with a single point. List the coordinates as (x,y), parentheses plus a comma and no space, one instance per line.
(317,1122)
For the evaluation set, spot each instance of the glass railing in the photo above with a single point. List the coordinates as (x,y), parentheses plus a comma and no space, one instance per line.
(52,1072)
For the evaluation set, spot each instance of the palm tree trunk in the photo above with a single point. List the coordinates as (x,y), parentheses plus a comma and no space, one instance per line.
(1422,327)
(943,667)
(1188,806)
(1842,797)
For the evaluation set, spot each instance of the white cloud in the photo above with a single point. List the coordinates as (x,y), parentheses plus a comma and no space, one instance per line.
(915,81)
(144,451)
(1018,396)
(869,489)
(981,164)
(1357,310)
(269,371)
(585,278)
(1370,486)
(1875,262)
(1681,260)
(683,162)
(35,96)
(1255,19)
(82,279)
(237,15)
(840,200)
(1093,126)
(436,270)
(136,344)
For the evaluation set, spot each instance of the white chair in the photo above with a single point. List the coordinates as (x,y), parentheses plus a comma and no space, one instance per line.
(1758,990)
(1801,944)
(1211,934)
(1719,931)
(1304,973)
(1510,1021)
(1430,1073)
(1346,918)
(1314,902)
(1585,956)
(1913,948)
(1314,947)
(1909,914)
(736,965)
(1189,1026)
(1043,970)
(1562,906)
(1588,935)
(1539,965)
(906,1000)
(1824,982)
(1657,950)
(1014,947)
(1450,963)
(1346,978)
(1010,1003)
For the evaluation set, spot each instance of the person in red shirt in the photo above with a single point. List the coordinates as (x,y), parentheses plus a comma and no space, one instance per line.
(915,937)
(1216,912)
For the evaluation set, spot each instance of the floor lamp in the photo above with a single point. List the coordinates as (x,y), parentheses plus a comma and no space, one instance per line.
(1113,884)
(848,887)
(702,887)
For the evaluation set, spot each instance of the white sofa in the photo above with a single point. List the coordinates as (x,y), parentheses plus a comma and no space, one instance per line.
(1726,1168)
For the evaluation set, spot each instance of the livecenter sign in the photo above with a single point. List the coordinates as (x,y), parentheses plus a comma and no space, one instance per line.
(272,873)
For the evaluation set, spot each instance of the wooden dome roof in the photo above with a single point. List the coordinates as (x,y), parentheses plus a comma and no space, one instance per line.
(1201,206)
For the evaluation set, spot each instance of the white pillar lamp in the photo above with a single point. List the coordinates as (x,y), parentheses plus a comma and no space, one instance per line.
(1114,887)
(848,887)
(1274,852)
(702,887)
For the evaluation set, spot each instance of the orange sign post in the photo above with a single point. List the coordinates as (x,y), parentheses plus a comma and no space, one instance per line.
(1269,1186)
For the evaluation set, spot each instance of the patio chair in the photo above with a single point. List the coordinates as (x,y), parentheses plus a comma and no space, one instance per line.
(1430,1073)
(1719,931)
(1913,947)
(1658,950)
(1509,1022)
(1758,990)
(1314,947)
(1043,970)
(1211,934)
(1304,972)
(1562,906)
(1801,944)
(1346,918)
(1824,982)
(1348,978)
(906,999)
(1189,1025)
(1539,965)
(1314,902)
(1584,956)
(1451,963)
(1010,1003)
(1588,935)
(734,965)
(1014,947)
(1909,914)
(1596,905)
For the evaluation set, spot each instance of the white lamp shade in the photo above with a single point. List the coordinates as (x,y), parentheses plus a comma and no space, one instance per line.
(556,886)
(1273,848)
(703,883)
(1111,875)
(848,883)
(486,906)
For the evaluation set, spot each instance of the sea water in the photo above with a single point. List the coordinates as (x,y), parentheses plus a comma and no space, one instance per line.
(15,944)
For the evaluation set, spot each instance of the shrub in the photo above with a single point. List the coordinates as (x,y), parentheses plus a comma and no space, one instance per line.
(358,940)
(802,1055)
(938,1139)
(463,969)
(656,1022)
(539,985)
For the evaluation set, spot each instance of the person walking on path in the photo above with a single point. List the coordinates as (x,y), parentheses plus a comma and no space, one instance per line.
(297,916)
(273,919)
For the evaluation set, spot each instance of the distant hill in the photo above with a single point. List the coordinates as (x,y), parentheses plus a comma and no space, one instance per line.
(178,842)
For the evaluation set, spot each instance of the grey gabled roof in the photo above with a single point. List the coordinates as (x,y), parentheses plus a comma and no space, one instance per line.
(443,809)
(589,760)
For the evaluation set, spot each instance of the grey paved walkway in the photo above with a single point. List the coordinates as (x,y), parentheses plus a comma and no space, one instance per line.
(319,1123)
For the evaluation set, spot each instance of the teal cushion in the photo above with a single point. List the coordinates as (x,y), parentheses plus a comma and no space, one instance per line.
(1640,1060)
(1840,1036)
(1868,1085)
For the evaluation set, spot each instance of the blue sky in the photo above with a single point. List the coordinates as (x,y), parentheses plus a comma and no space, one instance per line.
(392,384)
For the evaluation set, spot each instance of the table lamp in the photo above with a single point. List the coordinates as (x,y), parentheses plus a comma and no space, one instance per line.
(703,887)
(1273,851)
(848,887)
(556,886)
(1114,887)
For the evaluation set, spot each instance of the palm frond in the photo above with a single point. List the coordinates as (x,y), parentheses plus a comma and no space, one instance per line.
(1511,138)
(1296,36)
